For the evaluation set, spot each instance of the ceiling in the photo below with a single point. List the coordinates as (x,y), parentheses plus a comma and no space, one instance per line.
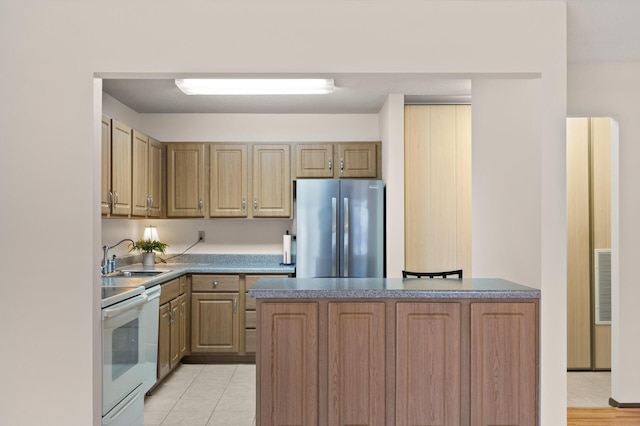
(597,31)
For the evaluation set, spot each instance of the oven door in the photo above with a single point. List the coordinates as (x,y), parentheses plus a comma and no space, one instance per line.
(122,351)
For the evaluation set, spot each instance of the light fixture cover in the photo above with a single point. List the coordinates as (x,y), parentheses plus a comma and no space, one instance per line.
(255,86)
(150,233)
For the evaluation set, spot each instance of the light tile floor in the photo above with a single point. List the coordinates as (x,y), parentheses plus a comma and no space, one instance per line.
(588,388)
(204,395)
(225,395)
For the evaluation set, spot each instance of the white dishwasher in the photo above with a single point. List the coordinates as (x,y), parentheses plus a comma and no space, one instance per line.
(149,321)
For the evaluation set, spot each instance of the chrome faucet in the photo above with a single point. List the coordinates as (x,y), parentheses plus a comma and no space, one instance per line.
(109,266)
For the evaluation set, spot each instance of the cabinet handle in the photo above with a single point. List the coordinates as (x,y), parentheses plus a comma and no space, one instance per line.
(215,284)
(235,305)
(244,204)
(342,165)
(330,164)
(115,198)
(170,317)
(255,204)
(201,205)
(110,199)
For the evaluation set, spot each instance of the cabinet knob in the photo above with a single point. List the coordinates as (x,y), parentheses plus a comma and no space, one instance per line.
(215,284)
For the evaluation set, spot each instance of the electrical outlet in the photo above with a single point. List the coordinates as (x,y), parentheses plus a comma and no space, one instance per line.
(201,236)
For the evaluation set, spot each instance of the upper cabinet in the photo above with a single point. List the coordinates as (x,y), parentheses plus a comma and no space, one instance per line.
(185,180)
(357,160)
(105,192)
(338,160)
(120,169)
(147,176)
(314,160)
(228,177)
(271,181)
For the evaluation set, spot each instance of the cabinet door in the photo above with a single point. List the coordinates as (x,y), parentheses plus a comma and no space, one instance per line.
(121,168)
(164,341)
(140,174)
(185,180)
(175,333)
(437,187)
(314,160)
(357,160)
(504,371)
(182,325)
(356,373)
(271,181)
(155,178)
(214,322)
(428,364)
(105,192)
(228,180)
(287,367)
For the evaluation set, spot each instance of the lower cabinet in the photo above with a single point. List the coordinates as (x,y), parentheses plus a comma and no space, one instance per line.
(427,362)
(172,326)
(214,313)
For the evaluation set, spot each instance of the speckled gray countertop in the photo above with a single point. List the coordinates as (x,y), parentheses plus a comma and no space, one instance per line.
(420,288)
(201,264)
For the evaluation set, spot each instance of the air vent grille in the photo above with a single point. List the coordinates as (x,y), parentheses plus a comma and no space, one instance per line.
(603,286)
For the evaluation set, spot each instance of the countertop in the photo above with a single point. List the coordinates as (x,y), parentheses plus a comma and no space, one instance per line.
(422,288)
(202,264)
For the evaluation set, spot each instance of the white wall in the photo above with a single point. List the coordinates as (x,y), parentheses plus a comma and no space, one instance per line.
(50,168)
(612,90)
(392,135)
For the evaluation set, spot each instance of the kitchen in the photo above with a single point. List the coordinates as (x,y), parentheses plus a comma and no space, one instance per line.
(238,233)
(75,177)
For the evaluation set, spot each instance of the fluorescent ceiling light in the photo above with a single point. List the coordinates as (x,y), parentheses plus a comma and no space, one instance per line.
(252,86)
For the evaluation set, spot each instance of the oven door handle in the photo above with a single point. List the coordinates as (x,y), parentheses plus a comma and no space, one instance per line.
(123,307)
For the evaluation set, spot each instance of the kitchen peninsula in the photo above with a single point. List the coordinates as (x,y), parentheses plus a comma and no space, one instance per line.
(367,351)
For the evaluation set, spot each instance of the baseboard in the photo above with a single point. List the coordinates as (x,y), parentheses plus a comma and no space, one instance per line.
(614,403)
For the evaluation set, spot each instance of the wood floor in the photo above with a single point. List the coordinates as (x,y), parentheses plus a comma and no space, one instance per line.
(603,416)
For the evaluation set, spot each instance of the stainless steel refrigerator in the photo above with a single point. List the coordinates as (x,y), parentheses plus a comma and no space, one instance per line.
(340,228)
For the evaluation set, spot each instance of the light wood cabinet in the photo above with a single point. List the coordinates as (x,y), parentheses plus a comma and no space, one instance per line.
(357,160)
(588,229)
(287,385)
(356,360)
(314,160)
(504,364)
(147,176)
(437,186)
(185,180)
(105,191)
(402,362)
(215,322)
(338,160)
(271,180)
(228,182)
(428,364)
(121,140)
(172,326)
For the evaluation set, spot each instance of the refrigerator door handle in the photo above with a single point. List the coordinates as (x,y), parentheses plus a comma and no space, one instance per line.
(334,236)
(345,238)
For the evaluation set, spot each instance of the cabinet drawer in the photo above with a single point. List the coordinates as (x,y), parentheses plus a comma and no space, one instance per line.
(214,283)
(250,303)
(250,319)
(169,291)
(250,340)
